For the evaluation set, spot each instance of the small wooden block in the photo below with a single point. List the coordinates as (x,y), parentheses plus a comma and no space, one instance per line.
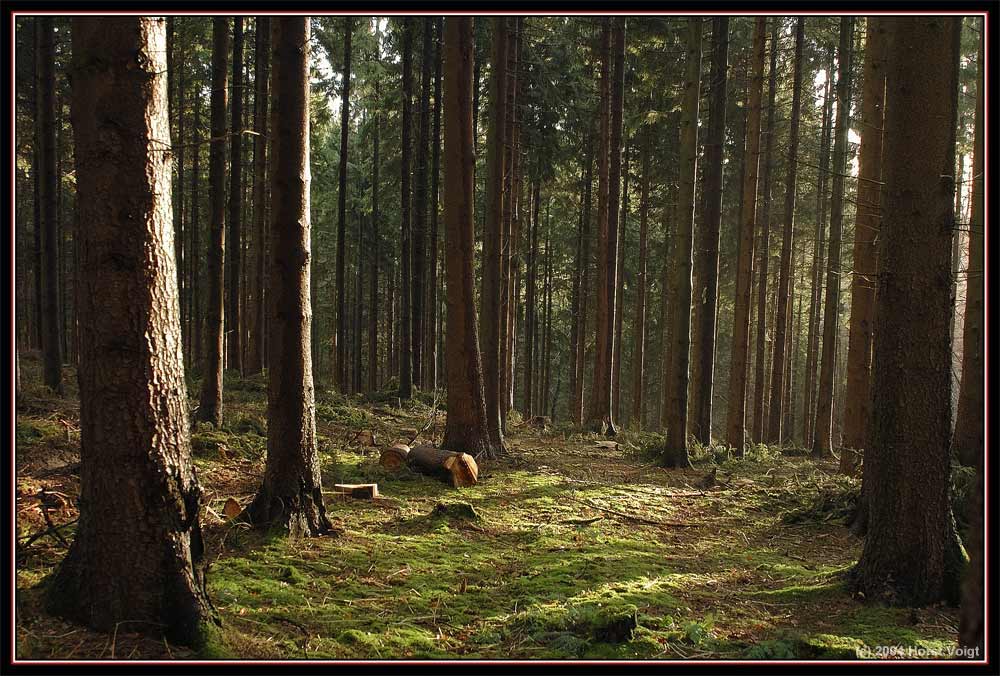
(232,508)
(363,491)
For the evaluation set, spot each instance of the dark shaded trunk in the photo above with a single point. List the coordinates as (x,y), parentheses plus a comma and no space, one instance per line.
(419,262)
(133,416)
(530,302)
(584,272)
(779,373)
(340,361)
(639,349)
(405,246)
(374,261)
(256,311)
(823,439)
(616,362)
(912,555)
(466,428)
(290,496)
(46,135)
(195,227)
(432,332)
(210,407)
(234,262)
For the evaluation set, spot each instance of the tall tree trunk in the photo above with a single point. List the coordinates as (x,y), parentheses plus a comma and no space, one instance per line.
(195,267)
(36,175)
(466,429)
(290,495)
(143,565)
(345,123)
(616,359)
(405,246)
(675,452)
(760,367)
(490,329)
(639,349)
(912,555)
(180,142)
(857,400)
(262,48)
(546,369)
(420,207)
(45,119)
(736,405)
(234,264)
(510,187)
(374,260)
(433,324)
(585,265)
(210,407)
(779,374)
(968,440)
(816,304)
(706,308)
(823,439)
(530,302)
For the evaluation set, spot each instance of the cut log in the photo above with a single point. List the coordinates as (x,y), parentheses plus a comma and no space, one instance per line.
(364,491)
(394,457)
(459,469)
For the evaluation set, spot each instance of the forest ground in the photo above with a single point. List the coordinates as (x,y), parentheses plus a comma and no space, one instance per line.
(570,550)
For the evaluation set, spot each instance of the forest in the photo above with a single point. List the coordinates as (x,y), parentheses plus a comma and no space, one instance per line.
(535,337)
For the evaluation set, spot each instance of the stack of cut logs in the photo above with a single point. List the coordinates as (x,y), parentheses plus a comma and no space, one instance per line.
(459,469)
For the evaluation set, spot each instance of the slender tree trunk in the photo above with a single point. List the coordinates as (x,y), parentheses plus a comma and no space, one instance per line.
(968,440)
(466,429)
(736,405)
(546,371)
(912,555)
(433,328)
(823,440)
(857,400)
(490,330)
(195,267)
(675,452)
(290,496)
(616,360)
(760,375)
(345,123)
(45,120)
(234,264)
(36,175)
(585,266)
(530,302)
(419,261)
(143,565)
(706,304)
(255,346)
(638,352)
(405,336)
(779,373)
(375,260)
(210,407)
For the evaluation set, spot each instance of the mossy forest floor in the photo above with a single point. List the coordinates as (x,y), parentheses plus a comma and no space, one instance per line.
(573,550)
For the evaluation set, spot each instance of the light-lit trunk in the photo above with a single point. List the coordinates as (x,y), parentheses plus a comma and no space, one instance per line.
(405,246)
(262,49)
(340,362)
(234,261)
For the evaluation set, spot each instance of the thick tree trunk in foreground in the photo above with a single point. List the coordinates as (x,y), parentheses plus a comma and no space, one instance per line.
(466,429)
(262,54)
(675,452)
(290,496)
(490,319)
(405,361)
(706,304)
(736,405)
(782,342)
(857,400)
(968,439)
(46,123)
(141,567)
(823,438)
(760,365)
(210,407)
(912,555)
(340,363)
(234,264)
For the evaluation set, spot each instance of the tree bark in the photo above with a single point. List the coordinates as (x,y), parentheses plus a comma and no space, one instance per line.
(585,265)
(340,361)
(782,342)
(375,260)
(419,262)
(141,566)
(234,264)
(616,359)
(180,142)
(490,329)
(530,303)
(290,496)
(968,439)
(675,452)
(405,245)
(912,555)
(46,124)
(466,428)
(255,345)
(195,267)
(706,307)
(823,439)
(857,400)
(639,349)
(760,367)
(736,405)
(432,332)
(210,407)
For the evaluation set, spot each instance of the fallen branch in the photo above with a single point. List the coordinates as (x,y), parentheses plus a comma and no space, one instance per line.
(631,517)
